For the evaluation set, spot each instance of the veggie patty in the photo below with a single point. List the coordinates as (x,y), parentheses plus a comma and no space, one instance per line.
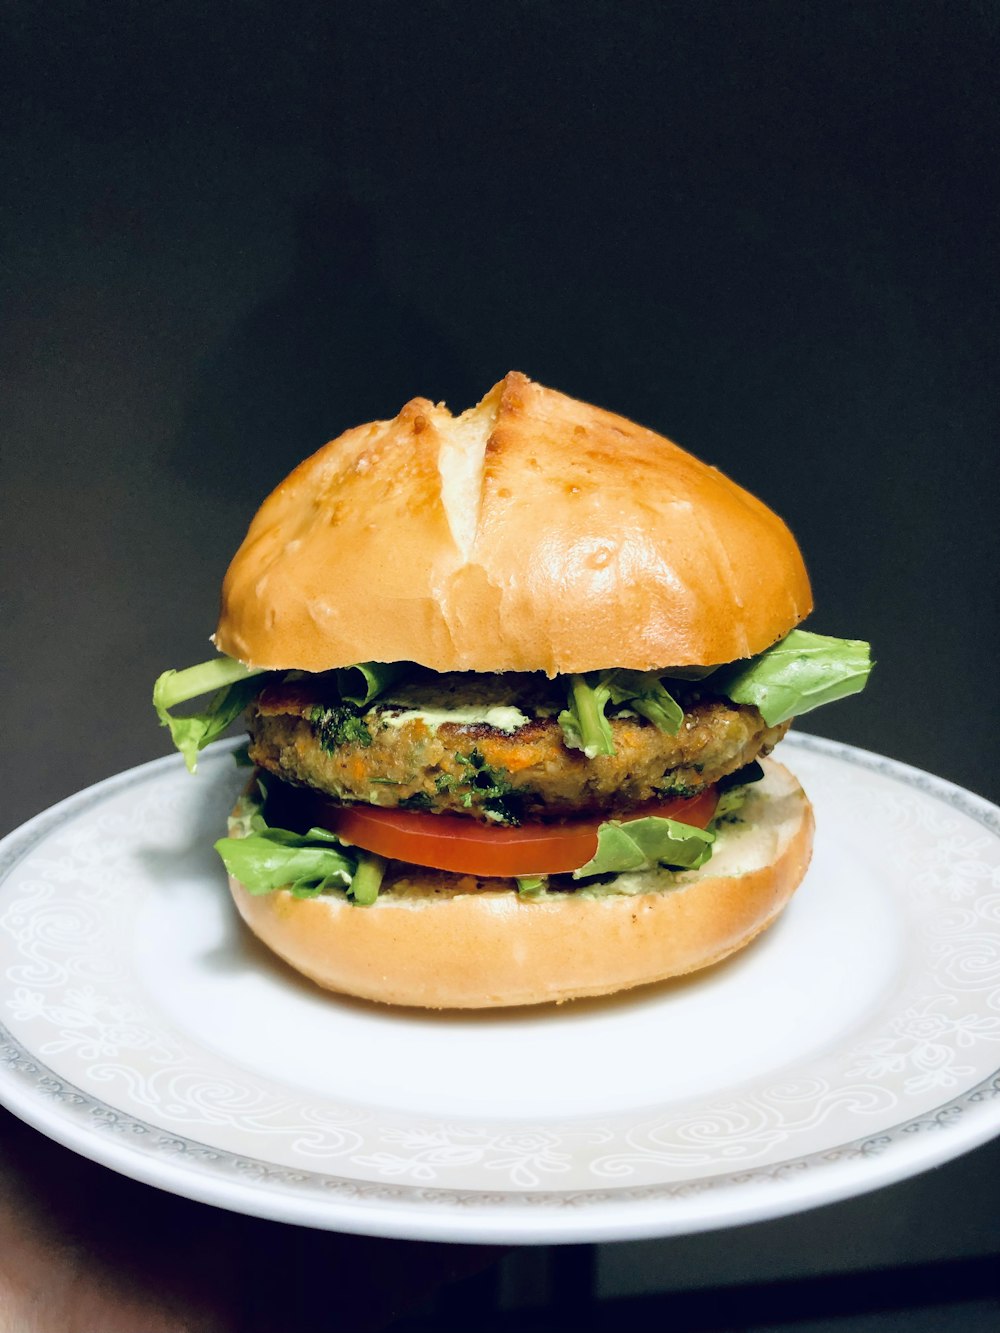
(403,751)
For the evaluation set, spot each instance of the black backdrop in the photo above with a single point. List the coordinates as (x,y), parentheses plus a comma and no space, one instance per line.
(229,231)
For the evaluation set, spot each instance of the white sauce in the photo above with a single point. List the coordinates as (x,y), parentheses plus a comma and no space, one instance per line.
(504,717)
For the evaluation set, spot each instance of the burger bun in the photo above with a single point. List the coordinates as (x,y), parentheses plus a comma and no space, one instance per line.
(531,533)
(439,941)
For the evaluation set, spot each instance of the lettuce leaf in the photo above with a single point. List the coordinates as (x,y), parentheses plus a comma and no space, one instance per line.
(799,673)
(232,686)
(792,677)
(264,859)
(641,844)
(365,681)
(367,878)
(277,859)
(645,693)
(584,724)
(532,886)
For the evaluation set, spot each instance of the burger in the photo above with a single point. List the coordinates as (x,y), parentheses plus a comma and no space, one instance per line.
(510,679)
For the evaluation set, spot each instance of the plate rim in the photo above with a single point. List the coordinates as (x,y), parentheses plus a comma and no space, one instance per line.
(123,1142)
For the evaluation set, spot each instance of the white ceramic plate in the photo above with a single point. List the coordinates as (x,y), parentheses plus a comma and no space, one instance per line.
(856,1043)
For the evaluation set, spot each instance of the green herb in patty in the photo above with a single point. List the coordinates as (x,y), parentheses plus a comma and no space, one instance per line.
(339,724)
(418,801)
(670,787)
(490,789)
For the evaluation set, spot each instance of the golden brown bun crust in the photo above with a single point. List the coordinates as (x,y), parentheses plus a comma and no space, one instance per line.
(443,948)
(533,532)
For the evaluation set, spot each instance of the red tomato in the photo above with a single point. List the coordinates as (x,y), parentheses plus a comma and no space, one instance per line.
(467,847)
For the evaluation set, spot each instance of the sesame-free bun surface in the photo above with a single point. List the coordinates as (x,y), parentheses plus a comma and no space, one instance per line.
(438,941)
(533,532)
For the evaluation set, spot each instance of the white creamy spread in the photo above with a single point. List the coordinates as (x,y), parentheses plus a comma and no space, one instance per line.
(504,717)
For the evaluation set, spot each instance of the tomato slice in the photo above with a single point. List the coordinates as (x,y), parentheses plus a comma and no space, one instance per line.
(467,847)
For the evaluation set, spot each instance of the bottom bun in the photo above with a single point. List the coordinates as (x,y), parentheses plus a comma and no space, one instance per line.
(442,941)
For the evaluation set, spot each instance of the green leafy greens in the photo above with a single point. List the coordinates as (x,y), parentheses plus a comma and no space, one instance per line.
(798,674)
(642,844)
(792,677)
(264,859)
(584,722)
(232,686)
(532,886)
(645,693)
(362,683)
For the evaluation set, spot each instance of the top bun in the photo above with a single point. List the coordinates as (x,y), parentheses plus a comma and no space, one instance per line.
(531,533)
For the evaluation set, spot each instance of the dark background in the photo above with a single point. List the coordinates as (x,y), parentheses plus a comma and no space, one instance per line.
(229,231)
